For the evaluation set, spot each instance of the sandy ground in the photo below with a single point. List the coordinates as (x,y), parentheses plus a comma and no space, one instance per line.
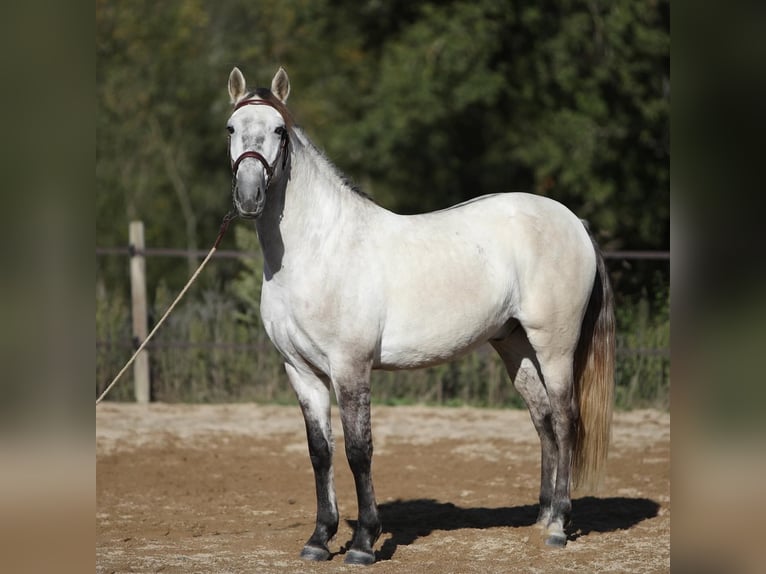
(229,488)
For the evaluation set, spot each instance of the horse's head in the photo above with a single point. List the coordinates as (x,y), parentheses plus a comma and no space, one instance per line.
(259,136)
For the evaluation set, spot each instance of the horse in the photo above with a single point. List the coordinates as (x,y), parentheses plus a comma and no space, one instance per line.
(349,286)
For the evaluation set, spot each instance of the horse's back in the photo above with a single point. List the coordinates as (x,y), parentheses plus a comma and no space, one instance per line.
(456,277)
(504,238)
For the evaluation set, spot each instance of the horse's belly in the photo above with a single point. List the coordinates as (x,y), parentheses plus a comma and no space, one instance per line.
(395,355)
(445,304)
(435,339)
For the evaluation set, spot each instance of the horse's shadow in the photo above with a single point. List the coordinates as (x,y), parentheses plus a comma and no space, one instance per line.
(408,520)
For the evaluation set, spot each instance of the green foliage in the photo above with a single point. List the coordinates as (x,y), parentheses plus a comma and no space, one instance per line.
(642,373)
(244,367)
(240,365)
(112,330)
(569,100)
(246,286)
(427,123)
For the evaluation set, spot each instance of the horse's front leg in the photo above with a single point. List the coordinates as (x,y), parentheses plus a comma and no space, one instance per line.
(353,393)
(314,398)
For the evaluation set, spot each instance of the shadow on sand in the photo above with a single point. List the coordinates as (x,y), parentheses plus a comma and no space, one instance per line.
(408,520)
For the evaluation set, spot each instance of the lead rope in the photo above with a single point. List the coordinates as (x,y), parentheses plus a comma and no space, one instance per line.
(228,218)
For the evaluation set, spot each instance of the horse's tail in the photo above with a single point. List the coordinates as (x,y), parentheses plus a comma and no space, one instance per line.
(594,381)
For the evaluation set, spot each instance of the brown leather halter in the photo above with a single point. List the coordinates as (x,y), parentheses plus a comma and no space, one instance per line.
(285,141)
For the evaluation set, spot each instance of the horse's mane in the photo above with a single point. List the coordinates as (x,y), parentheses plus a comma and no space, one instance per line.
(268,96)
(346,181)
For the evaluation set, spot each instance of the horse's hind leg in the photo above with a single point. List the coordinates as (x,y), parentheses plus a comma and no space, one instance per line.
(314,398)
(524,370)
(352,388)
(555,356)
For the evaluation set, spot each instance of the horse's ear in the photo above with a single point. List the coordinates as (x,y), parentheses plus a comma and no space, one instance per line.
(237,87)
(280,85)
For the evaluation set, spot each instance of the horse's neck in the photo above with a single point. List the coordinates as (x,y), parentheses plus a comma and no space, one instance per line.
(309,209)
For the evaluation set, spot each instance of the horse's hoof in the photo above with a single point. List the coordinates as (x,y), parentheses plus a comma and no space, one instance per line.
(359,557)
(315,553)
(556,539)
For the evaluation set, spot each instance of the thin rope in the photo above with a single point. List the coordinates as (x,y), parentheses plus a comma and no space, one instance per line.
(224,226)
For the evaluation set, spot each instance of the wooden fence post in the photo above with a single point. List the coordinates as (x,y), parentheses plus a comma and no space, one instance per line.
(139,309)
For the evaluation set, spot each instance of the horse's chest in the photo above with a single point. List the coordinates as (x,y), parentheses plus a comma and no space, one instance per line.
(299,326)
(278,319)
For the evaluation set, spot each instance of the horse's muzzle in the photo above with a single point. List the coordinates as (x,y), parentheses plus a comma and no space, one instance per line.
(249,206)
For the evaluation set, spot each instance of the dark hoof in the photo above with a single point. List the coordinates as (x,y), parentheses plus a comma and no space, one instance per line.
(359,557)
(557,540)
(315,553)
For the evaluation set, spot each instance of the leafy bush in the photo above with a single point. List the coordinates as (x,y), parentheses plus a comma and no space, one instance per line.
(642,374)
(113,340)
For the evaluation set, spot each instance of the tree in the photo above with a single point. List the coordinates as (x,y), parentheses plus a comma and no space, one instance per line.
(567,99)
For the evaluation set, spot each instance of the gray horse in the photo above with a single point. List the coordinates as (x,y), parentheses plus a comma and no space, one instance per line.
(350,286)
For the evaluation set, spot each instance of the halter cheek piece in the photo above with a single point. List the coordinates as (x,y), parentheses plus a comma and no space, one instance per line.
(284,142)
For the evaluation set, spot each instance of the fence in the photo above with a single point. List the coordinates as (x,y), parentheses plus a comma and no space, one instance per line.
(644,353)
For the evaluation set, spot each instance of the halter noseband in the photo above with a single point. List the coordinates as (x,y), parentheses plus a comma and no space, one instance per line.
(285,140)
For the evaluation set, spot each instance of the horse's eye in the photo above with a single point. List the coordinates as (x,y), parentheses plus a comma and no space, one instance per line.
(230,129)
